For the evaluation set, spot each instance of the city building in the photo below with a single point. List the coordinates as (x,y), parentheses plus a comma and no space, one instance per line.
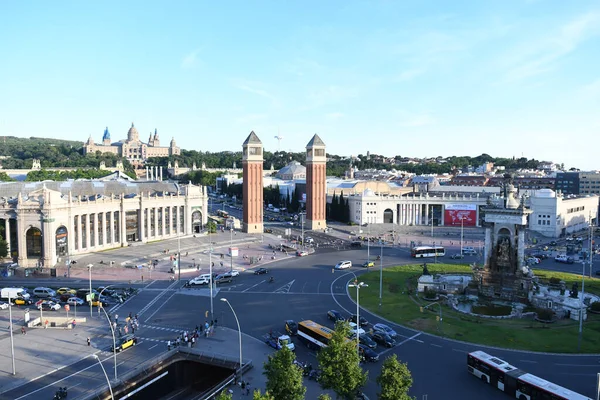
(555,215)
(48,222)
(252,165)
(292,171)
(578,182)
(132,148)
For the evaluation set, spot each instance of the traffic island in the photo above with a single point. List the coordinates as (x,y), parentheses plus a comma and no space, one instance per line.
(402,304)
(55,322)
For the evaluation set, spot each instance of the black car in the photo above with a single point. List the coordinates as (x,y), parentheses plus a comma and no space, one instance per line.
(261,271)
(335,315)
(384,339)
(553,243)
(291,327)
(363,321)
(367,354)
(367,340)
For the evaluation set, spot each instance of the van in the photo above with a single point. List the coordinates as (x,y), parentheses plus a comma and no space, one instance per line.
(468,250)
(43,292)
(14,293)
(204,276)
(223,278)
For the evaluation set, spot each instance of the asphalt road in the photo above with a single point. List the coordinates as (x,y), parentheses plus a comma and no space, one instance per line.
(306,288)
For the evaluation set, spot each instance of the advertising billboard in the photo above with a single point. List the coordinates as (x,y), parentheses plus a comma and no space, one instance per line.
(454,213)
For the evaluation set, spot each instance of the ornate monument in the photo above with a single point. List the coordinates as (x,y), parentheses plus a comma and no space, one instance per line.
(505,275)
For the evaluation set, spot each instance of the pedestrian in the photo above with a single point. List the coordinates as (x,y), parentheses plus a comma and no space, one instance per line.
(46,324)
(114,326)
(130,317)
(193,341)
(142,278)
(72,323)
(120,332)
(247,389)
(23,332)
(206,325)
(126,329)
(117,318)
(168,345)
(89,342)
(215,322)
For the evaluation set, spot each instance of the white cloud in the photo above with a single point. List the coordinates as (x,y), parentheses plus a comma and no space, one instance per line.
(190,59)
(541,57)
(591,90)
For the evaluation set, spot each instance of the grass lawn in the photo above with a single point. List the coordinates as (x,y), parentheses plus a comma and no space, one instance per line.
(402,305)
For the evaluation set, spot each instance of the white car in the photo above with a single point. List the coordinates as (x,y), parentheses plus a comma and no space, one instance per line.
(3,305)
(235,272)
(75,301)
(361,331)
(198,281)
(343,265)
(51,305)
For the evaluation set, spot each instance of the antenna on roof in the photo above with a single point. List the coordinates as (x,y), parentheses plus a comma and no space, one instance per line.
(278,137)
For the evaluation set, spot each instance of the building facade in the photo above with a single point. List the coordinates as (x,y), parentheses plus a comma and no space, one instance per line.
(49,222)
(132,148)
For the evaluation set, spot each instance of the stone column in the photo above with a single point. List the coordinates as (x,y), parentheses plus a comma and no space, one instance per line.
(111,224)
(70,235)
(161,174)
(87,231)
(146,173)
(96,244)
(442,217)
(21,241)
(122,228)
(427,214)
(155,221)
(177,211)
(7,234)
(48,242)
(79,219)
(104,238)
(148,229)
(162,217)
(487,247)
(521,246)
(141,221)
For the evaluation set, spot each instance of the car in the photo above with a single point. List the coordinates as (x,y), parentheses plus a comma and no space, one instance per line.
(65,290)
(267,230)
(124,342)
(3,305)
(468,252)
(104,290)
(383,339)
(354,329)
(457,256)
(367,340)
(198,281)
(302,253)
(363,320)
(75,301)
(228,274)
(553,243)
(335,315)
(261,271)
(343,265)
(309,240)
(368,264)
(532,260)
(223,278)
(48,306)
(291,327)
(541,256)
(564,259)
(21,302)
(367,354)
(101,301)
(385,329)
(356,244)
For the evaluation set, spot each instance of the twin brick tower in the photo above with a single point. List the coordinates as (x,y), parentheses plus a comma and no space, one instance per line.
(252,162)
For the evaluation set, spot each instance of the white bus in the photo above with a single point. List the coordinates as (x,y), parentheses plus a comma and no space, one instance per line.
(427,251)
(515,382)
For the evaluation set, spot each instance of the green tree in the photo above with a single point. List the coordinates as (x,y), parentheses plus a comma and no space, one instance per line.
(224,395)
(324,396)
(211,226)
(284,378)
(295,203)
(339,363)
(258,396)
(395,380)
(3,247)
(5,178)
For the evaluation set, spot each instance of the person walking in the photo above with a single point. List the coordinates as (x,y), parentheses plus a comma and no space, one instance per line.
(23,331)
(117,318)
(74,323)
(89,342)
(168,345)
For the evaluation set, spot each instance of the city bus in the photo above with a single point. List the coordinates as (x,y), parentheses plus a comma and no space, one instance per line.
(514,381)
(223,214)
(313,334)
(427,251)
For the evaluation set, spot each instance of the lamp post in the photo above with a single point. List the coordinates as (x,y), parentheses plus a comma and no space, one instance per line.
(230,247)
(380,274)
(12,343)
(461,235)
(302,223)
(368,242)
(581,305)
(210,279)
(431,222)
(239,334)
(90,294)
(112,330)
(112,396)
(178,254)
(358,286)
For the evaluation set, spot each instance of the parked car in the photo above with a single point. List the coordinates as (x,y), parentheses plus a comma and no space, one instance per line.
(198,281)
(343,265)
(368,264)
(367,354)
(363,320)
(301,253)
(385,329)
(43,292)
(291,327)
(564,259)
(553,243)
(65,290)
(261,271)
(75,301)
(356,244)
(367,340)
(124,342)
(223,278)
(335,315)
(383,339)
(355,329)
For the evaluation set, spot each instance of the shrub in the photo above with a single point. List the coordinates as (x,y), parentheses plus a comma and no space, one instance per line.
(554,280)
(430,294)
(394,288)
(595,306)
(544,314)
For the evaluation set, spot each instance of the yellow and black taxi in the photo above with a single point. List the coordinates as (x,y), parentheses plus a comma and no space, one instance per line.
(368,264)
(125,342)
(19,301)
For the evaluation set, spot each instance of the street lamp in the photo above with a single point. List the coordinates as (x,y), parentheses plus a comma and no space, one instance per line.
(112,396)
(112,330)
(368,242)
(239,333)
(10,327)
(462,219)
(380,274)
(230,247)
(358,286)
(90,294)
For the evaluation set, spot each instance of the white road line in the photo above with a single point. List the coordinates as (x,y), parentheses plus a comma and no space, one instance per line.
(411,338)
(60,380)
(243,291)
(578,365)
(436,345)
(528,361)
(153,347)
(64,366)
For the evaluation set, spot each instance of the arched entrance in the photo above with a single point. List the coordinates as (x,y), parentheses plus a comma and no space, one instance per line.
(196,221)
(388,216)
(33,241)
(62,242)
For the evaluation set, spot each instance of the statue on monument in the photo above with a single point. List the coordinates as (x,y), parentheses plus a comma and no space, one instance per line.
(504,250)
(425,270)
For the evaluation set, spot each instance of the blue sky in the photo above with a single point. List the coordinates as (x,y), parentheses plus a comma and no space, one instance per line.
(410,78)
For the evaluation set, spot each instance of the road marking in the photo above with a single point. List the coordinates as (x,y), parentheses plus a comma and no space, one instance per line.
(64,366)
(411,338)
(285,288)
(161,306)
(263,281)
(436,345)
(153,346)
(528,361)
(578,365)
(153,301)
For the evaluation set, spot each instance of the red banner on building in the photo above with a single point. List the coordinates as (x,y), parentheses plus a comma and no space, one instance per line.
(454,213)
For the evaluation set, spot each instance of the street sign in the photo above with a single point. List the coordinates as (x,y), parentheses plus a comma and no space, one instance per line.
(67,307)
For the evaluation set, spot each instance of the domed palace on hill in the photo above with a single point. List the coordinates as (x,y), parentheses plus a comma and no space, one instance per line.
(132,148)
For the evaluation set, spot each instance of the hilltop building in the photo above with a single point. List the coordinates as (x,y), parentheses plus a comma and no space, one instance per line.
(132,148)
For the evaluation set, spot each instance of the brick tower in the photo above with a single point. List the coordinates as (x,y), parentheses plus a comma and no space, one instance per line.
(316,196)
(252,162)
